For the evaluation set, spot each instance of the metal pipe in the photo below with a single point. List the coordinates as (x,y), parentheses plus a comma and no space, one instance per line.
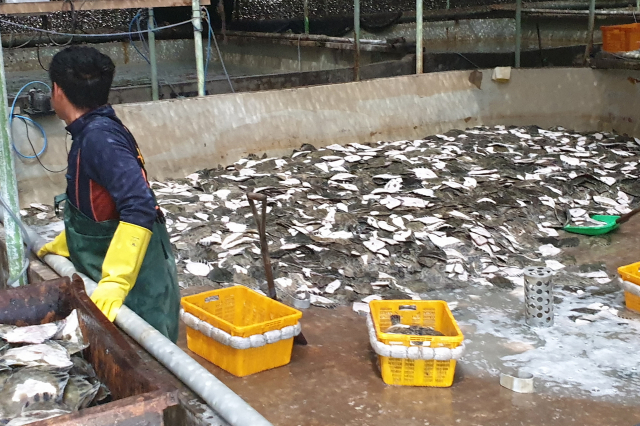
(356,35)
(592,22)
(215,393)
(518,31)
(152,56)
(197,38)
(309,37)
(419,37)
(306,16)
(9,188)
(598,12)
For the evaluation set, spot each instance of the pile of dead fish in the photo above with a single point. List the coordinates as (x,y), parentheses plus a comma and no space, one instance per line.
(43,374)
(397,219)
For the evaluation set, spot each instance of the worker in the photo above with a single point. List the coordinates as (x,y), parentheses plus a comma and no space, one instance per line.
(114,230)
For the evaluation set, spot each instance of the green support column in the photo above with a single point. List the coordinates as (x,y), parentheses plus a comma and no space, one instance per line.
(306,16)
(9,187)
(356,30)
(419,33)
(518,31)
(152,57)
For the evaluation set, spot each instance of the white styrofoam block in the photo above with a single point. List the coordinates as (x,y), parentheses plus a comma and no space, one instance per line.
(442,354)
(458,352)
(501,74)
(426,353)
(398,351)
(257,340)
(189,320)
(382,349)
(297,329)
(413,352)
(222,337)
(239,342)
(370,323)
(273,336)
(287,332)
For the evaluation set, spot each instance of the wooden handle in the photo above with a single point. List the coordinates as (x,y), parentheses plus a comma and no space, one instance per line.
(627,216)
(256,197)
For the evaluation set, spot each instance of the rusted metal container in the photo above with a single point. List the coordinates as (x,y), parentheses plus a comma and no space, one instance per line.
(139,398)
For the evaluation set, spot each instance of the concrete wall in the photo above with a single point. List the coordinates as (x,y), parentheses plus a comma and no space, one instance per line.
(178,137)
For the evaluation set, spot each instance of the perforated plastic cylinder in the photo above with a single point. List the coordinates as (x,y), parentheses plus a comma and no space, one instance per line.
(538,296)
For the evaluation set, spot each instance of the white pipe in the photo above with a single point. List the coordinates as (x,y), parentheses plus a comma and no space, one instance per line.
(215,393)
(197,39)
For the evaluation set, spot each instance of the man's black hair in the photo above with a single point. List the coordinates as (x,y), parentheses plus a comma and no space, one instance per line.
(84,75)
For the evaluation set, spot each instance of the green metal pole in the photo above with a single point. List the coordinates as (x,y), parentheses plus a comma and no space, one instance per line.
(9,187)
(152,57)
(419,33)
(197,38)
(356,29)
(518,31)
(591,29)
(306,16)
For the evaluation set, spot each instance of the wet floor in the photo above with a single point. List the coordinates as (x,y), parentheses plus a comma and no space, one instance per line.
(334,380)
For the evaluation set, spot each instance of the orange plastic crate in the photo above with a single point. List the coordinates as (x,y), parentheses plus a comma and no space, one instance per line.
(620,38)
(631,274)
(428,313)
(241,312)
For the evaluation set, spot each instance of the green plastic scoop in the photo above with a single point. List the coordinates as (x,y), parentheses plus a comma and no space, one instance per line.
(610,223)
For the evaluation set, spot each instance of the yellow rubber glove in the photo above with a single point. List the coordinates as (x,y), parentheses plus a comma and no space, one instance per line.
(57,246)
(120,267)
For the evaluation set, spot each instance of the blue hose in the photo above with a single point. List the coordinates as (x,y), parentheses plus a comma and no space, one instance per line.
(136,20)
(28,119)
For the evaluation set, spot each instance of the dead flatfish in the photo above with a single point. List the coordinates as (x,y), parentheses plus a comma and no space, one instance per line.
(28,386)
(79,393)
(415,330)
(69,334)
(34,416)
(81,368)
(49,354)
(33,334)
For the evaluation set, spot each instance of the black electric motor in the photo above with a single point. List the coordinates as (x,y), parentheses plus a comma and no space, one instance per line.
(39,102)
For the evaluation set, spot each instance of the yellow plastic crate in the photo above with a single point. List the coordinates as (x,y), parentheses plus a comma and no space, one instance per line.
(240,312)
(427,313)
(631,274)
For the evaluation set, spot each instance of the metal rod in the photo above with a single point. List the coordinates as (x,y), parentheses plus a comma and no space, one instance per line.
(306,16)
(356,36)
(592,22)
(215,393)
(518,31)
(197,38)
(152,56)
(419,37)
(9,188)
(540,44)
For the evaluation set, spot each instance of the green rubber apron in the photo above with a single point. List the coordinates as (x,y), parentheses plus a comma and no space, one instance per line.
(155,295)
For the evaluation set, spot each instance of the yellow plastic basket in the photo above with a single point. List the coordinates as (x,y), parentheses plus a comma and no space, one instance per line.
(428,313)
(631,274)
(240,312)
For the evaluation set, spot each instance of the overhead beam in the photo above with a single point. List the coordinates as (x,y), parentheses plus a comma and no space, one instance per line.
(56,6)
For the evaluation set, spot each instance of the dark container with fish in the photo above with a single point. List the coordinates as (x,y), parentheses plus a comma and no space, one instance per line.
(138,397)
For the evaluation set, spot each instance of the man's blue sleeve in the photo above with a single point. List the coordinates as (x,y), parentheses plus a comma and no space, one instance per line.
(112,164)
